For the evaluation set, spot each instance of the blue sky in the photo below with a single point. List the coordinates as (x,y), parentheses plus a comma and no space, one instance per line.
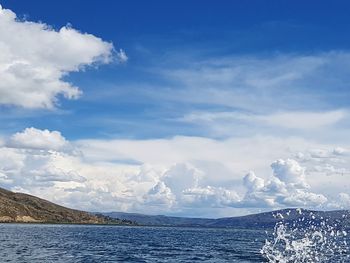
(172,36)
(209,93)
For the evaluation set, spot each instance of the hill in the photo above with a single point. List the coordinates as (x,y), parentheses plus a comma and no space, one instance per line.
(340,218)
(24,208)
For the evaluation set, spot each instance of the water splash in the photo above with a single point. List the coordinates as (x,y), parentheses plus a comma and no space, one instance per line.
(308,238)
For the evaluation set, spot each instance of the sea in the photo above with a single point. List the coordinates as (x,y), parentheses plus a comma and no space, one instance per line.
(103,243)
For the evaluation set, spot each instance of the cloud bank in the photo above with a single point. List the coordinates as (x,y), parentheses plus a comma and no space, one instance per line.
(92,175)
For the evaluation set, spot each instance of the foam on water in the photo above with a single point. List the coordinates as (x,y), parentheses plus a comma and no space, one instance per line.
(307,239)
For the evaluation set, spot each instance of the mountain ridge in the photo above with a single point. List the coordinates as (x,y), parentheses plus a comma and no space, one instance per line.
(260,220)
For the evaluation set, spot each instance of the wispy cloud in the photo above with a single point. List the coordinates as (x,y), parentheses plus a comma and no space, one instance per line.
(289,122)
(276,82)
(218,96)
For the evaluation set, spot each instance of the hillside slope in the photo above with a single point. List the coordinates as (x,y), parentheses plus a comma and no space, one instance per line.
(19,207)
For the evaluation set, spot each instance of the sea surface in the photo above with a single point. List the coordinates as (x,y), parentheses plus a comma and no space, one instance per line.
(87,243)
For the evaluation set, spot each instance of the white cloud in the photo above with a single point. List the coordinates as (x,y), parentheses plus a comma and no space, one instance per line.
(182,176)
(290,172)
(341,201)
(160,195)
(344,201)
(227,122)
(304,199)
(257,83)
(340,151)
(252,182)
(286,187)
(32,138)
(11,164)
(121,56)
(206,197)
(304,120)
(34,58)
(188,180)
(330,162)
(52,167)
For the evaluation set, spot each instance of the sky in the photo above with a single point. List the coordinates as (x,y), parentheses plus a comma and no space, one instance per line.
(188,108)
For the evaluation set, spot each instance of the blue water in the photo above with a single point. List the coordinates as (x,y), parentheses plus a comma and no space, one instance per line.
(82,243)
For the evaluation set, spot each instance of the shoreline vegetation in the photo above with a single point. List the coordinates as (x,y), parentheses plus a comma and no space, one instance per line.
(19,208)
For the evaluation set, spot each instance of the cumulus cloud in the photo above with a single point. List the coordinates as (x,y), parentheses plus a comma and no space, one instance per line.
(290,172)
(34,58)
(252,182)
(287,187)
(210,197)
(28,169)
(52,167)
(32,138)
(160,195)
(37,157)
(182,176)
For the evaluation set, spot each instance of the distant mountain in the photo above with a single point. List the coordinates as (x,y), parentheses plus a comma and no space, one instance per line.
(24,208)
(160,220)
(261,220)
(296,215)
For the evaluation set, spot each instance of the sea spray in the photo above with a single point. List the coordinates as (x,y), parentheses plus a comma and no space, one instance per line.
(309,238)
